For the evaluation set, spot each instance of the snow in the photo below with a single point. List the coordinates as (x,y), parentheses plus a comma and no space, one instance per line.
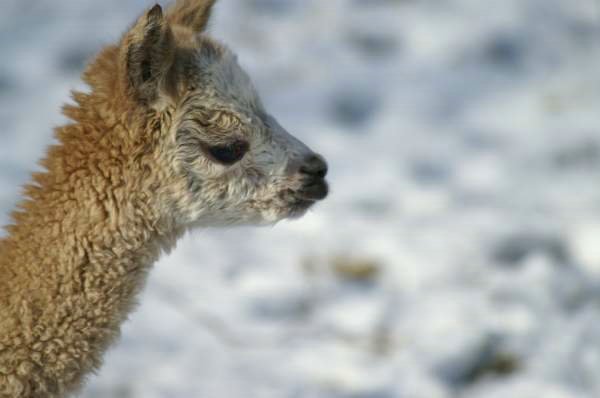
(464,145)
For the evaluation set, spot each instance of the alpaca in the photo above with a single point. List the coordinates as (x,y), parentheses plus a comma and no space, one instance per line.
(171,136)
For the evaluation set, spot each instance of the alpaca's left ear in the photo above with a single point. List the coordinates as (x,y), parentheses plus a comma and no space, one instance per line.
(193,14)
(147,53)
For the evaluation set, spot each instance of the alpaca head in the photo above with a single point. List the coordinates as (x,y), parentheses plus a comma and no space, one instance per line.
(230,161)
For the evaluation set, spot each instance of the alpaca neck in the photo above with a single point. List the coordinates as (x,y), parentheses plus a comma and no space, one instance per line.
(72,264)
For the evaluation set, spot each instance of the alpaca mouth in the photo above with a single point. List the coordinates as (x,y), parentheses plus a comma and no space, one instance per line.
(307,196)
(315,190)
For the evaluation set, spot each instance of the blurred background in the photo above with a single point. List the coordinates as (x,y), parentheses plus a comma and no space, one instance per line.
(459,252)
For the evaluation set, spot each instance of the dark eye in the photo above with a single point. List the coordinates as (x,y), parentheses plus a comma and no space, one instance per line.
(230,153)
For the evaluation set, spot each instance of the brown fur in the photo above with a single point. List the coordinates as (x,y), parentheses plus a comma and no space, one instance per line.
(81,243)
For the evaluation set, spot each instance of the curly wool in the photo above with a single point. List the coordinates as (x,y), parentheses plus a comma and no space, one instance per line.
(82,241)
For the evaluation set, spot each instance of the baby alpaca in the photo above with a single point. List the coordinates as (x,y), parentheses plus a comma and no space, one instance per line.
(171,136)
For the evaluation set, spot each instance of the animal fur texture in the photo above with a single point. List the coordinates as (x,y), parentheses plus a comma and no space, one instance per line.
(171,136)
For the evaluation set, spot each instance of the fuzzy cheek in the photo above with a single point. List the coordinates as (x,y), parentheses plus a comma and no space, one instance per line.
(268,212)
(209,169)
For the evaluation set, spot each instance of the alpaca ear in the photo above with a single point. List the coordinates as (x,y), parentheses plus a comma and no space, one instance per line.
(147,55)
(193,14)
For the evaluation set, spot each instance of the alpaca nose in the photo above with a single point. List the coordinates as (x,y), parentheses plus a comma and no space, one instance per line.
(314,165)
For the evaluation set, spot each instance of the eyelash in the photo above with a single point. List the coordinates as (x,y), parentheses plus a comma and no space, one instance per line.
(229,154)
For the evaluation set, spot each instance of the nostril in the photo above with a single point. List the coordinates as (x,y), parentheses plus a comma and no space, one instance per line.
(314,165)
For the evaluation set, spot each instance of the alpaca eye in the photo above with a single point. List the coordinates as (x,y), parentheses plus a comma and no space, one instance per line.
(229,154)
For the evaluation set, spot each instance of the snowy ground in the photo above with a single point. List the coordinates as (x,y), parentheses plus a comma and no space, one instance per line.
(459,252)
